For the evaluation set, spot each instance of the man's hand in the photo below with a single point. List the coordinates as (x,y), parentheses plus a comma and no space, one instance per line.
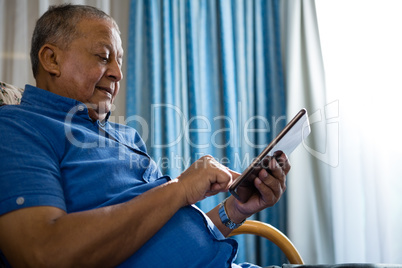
(271,184)
(205,177)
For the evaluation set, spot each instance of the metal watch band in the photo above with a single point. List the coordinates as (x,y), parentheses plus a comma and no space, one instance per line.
(225,218)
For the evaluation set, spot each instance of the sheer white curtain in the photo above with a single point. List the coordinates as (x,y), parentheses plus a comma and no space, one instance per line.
(345,202)
(362,56)
(309,182)
(17,20)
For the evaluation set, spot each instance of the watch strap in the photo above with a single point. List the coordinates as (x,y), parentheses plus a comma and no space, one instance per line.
(225,218)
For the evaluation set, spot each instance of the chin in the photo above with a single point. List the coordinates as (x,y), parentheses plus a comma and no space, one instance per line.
(99,110)
(103,107)
(95,115)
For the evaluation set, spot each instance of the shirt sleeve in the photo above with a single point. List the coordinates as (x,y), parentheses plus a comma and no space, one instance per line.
(29,166)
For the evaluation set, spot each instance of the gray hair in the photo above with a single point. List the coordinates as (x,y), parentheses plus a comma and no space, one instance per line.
(58,25)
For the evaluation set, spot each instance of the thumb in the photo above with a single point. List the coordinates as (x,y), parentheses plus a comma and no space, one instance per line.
(234,173)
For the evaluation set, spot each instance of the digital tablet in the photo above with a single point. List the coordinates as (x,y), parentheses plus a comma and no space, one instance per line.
(286,141)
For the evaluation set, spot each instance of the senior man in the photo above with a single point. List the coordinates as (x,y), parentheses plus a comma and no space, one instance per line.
(69,192)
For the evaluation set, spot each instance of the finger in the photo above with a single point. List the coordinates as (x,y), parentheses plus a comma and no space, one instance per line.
(263,175)
(282,160)
(270,181)
(275,180)
(233,173)
(275,169)
(270,190)
(223,176)
(215,189)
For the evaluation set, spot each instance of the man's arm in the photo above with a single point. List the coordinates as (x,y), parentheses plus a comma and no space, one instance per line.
(47,236)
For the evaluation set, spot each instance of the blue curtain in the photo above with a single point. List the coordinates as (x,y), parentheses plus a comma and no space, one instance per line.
(205,77)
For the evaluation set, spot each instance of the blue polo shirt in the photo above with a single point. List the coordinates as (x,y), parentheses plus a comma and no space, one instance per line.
(53,154)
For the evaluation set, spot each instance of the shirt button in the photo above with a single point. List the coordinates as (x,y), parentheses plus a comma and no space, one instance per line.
(20,200)
(81,108)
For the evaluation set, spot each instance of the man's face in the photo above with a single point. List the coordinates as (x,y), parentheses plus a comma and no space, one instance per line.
(91,67)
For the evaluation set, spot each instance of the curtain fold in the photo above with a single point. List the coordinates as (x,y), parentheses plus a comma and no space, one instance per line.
(205,77)
(309,182)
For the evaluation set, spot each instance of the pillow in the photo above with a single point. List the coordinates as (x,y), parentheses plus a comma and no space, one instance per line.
(10,94)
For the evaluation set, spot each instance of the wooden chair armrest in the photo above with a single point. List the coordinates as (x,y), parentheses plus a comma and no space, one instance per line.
(274,235)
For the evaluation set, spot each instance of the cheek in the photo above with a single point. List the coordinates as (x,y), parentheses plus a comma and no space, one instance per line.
(88,81)
(84,71)
(77,76)
(116,91)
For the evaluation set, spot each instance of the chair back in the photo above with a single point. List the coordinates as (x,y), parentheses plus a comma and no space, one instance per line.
(10,94)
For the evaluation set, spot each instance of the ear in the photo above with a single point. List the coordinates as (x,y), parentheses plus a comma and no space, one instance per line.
(48,58)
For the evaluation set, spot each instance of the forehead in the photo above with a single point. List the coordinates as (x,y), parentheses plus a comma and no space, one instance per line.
(100,33)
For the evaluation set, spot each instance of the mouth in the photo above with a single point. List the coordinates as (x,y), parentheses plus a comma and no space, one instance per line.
(106,89)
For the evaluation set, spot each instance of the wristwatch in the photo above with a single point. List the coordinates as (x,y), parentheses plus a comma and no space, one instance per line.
(225,218)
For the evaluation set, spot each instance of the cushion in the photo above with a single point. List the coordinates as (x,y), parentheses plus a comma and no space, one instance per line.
(10,94)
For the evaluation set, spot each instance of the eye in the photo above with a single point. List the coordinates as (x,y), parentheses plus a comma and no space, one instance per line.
(104,57)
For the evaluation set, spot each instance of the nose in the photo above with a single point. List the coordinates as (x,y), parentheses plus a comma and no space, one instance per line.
(114,71)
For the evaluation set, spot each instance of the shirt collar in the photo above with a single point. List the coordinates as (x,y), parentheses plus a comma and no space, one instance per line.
(40,97)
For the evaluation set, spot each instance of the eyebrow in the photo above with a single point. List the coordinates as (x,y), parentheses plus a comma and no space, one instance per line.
(109,47)
(101,45)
